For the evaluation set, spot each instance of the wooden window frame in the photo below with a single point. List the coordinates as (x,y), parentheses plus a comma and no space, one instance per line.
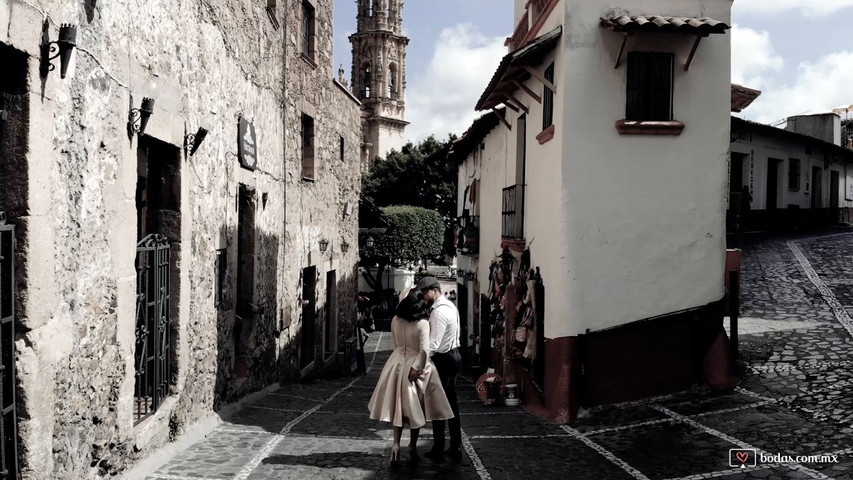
(309,31)
(548,99)
(309,166)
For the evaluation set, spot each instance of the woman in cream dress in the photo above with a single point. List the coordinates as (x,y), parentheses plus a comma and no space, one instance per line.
(409,391)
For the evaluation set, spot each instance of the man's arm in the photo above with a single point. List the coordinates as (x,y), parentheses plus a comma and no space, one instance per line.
(437,325)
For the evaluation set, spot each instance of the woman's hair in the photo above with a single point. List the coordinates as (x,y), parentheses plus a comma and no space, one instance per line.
(412,307)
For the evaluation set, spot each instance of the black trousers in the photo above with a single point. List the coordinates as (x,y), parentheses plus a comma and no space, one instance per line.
(448,365)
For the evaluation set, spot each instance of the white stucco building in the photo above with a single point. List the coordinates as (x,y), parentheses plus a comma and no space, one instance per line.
(802,174)
(604,159)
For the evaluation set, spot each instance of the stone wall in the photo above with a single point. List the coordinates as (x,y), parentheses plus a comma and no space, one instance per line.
(206,63)
(327,207)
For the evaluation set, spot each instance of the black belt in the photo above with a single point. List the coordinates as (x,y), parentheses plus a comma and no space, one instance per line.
(449,352)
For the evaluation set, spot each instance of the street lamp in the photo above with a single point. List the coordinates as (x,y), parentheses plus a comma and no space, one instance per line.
(368,242)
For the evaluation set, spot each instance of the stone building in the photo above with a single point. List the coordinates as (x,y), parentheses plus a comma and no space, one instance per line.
(592,201)
(182,204)
(379,74)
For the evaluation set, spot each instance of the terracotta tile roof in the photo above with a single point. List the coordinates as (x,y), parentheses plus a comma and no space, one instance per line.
(475,135)
(740,125)
(511,66)
(742,97)
(657,23)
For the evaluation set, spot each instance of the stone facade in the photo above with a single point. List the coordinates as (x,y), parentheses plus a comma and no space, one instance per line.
(81,192)
(379,75)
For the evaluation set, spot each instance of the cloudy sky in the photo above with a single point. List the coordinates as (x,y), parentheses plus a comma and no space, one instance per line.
(792,50)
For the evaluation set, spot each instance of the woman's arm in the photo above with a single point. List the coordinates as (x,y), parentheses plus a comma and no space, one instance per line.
(423,342)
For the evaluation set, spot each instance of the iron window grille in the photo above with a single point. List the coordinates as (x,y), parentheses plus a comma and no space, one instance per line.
(512,225)
(548,99)
(8,430)
(794,174)
(650,79)
(153,325)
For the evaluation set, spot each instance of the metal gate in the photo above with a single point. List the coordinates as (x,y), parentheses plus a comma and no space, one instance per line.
(153,325)
(8,434)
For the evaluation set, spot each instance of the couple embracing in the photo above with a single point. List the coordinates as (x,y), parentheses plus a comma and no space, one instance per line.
(418,383)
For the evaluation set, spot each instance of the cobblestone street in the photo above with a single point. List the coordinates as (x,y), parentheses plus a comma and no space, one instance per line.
(794,399)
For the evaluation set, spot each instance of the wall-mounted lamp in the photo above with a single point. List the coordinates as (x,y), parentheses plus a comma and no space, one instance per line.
(324,244)
(368,242)
(62,48)
(344,247)
(194,140)
(137,118)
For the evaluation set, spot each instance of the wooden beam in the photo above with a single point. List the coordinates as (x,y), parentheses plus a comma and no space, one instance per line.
(540,77)
(503,120)
(692,52)
(515,101)
(528,91)
(510,106)
(622,50)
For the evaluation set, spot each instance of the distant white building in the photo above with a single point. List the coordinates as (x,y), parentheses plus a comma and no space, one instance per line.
(802,174)
(603,167)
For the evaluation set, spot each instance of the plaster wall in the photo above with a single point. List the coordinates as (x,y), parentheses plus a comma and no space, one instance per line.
(755,171)
(644,215)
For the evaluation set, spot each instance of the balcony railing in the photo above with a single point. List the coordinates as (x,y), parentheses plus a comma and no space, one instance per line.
(517,39)
(469,235)
(536,8)
(513,212)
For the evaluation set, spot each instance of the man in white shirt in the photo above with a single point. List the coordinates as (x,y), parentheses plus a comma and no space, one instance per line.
(444,348)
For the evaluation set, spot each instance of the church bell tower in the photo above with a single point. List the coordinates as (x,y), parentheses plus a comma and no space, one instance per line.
(379,74)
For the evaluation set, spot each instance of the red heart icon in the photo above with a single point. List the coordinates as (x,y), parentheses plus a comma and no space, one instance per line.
(742,456)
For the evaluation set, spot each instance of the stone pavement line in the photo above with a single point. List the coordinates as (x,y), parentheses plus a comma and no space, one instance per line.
(177,477)
(274,394)
(799,366)
(837,309)
(250,467)
(647,423)
(517,437)
(605,453)
(475,458)
(740,444)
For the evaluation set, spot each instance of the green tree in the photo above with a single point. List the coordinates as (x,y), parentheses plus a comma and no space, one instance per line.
(418,175)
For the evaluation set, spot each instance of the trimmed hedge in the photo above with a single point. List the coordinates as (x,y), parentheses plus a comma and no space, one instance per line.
(417,233)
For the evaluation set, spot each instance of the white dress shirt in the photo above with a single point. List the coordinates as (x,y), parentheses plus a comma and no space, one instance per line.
(443,326)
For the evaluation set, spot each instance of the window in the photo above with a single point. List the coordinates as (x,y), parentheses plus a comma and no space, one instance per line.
(793,174)
(392,82)
(649,86)
(548,99)
(308,170)
(342,149)
(308,26)
(367,80)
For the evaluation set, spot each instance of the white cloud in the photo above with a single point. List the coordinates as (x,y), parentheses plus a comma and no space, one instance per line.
(818,86)
(753,57)
(811,8)
(442,100)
